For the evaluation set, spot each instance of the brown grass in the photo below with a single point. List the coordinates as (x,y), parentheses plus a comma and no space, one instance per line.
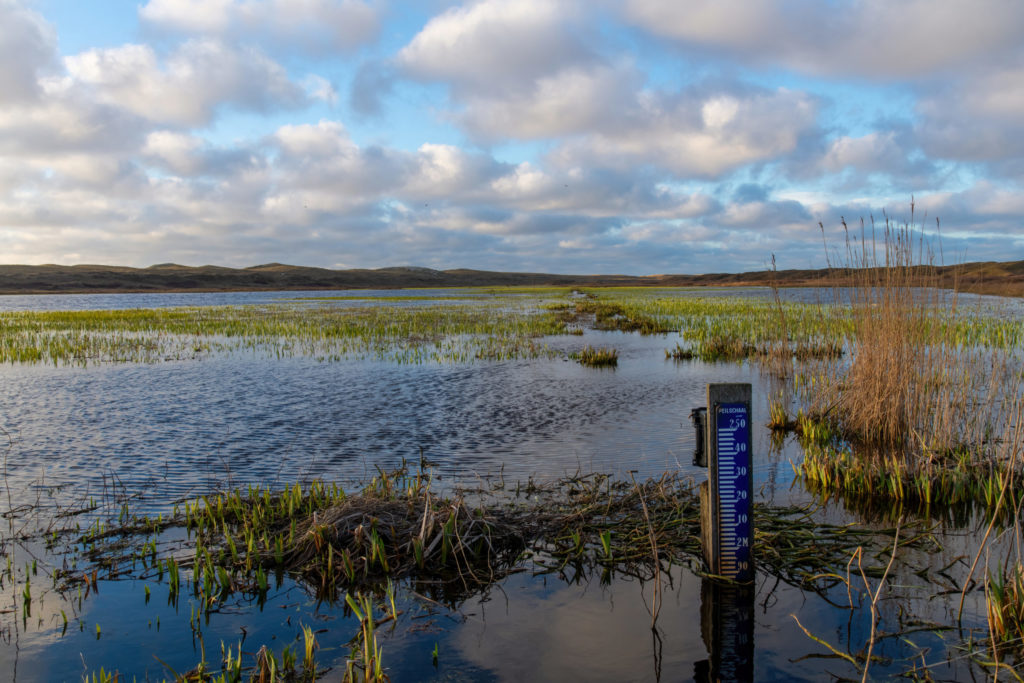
(909,385)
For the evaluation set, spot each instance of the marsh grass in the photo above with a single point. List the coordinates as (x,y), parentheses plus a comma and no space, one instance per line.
(502,326)
(1004,593)
(596,357)
(446,547)
(954,479)
(920,408)
(456,332)
(264,667)
(610,315)
(355,549)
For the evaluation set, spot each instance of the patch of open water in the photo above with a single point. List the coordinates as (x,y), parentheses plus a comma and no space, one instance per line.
(184,428)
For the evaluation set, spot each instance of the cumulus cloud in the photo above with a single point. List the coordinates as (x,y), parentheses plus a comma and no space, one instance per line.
(196,79)
(766,215)
(188,155)
(873,38)
(867,152)
(574,99)
(27,49)
(516,69)
(523,71)
(492,44)
(316,26)
(701,134)
(977,118)
(67,121)
(635,160)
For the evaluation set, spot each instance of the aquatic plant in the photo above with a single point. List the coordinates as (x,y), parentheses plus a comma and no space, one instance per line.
(1004,598)
(453,332)
(778,416)
(396,529)
(368,658)
(596,357)
(911,382)
(610,315)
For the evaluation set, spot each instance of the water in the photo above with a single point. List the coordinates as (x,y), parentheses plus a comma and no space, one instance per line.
(178,429)
(110,302)
(188,427)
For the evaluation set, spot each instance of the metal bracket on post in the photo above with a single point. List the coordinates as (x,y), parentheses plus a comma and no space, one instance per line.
(727,520)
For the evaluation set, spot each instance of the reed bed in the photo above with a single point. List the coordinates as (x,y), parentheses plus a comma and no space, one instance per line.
(610,315)
(925,406)
(737,328)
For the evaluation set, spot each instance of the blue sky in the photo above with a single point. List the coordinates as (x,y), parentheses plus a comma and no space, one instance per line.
(630,136)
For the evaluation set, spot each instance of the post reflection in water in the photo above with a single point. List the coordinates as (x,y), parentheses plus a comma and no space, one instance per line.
(727,628)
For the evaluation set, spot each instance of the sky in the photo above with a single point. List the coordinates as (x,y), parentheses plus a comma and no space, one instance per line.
(591,136)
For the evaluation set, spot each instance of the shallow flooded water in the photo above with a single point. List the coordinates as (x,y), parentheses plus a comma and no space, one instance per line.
(155,434)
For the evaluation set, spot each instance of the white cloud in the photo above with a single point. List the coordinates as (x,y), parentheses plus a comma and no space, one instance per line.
(864,152)
(977,118)
(703,135)
(104,156)
(66,122)
(326,139)
(574,99)
(317,26)
(199,77)
(491,44)
(981,202)
(874,38)
(206,16)
(319,88)
(27,48)
(765,216)
(179,151)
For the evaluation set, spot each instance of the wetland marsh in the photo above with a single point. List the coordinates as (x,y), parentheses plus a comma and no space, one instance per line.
(191,485)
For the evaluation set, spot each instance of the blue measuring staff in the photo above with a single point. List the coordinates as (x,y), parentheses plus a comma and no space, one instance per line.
(734,491)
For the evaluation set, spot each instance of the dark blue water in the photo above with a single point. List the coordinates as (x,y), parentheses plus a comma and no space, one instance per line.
(160,432)
(186,427)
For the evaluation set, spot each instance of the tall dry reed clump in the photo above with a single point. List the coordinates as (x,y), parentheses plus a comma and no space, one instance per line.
(917,409)
(912,384)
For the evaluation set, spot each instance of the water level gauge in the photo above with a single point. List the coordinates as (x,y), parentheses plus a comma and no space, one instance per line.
(735,532)
(727,519)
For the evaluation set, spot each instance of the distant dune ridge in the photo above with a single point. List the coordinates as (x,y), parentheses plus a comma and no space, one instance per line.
(1006,278)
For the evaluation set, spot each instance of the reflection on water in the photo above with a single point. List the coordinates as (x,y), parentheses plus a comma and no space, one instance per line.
(727,628)
(184,428)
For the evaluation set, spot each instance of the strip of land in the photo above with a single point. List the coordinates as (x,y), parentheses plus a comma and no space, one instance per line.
(1003,278)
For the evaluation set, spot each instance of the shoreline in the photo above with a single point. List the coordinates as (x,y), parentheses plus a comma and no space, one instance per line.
(994,278)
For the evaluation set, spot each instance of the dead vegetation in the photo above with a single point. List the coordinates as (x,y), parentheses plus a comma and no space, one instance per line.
(453,546)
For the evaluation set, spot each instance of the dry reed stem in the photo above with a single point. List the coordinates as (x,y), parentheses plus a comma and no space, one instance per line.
(874,599)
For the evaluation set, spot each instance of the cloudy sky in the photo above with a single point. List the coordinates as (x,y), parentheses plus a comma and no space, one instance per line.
(599,136)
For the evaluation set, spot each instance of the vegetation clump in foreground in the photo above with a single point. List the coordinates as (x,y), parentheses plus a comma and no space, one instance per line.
(396,528)
(596,357)
(921,408)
